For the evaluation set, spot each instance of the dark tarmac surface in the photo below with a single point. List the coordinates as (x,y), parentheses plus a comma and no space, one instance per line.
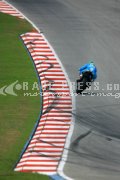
(79,30)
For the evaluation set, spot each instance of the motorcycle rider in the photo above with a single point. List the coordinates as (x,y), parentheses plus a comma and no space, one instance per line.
(89,67)
(89,72)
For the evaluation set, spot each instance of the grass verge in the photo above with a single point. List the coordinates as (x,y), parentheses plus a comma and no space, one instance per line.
(18,114)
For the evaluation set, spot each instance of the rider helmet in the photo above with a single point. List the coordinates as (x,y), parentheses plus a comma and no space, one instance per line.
(91,62)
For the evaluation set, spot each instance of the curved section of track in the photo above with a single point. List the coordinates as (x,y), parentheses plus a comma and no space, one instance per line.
(79,30)
(47,146)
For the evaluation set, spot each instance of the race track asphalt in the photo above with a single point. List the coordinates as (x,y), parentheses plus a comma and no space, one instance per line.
(79,30)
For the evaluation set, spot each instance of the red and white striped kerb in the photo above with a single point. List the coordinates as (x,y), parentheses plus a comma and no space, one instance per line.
(45,150)
(8,9)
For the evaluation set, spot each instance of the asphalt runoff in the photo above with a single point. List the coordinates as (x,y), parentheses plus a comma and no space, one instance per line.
(79,30)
